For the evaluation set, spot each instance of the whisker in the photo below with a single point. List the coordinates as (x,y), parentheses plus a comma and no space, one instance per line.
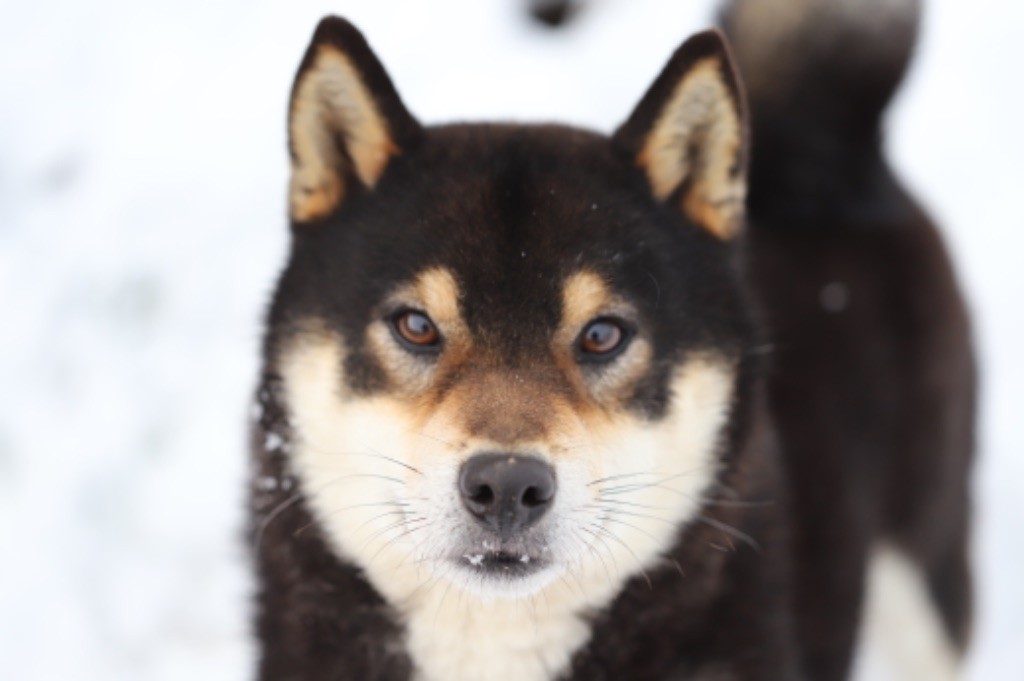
(611,535)
(385,514)
(726,503)
(391,542)
(292,500)
(392,526)
(371,453)
(607,548)
(619,511)
(730,530)
(270,517)
(561,578)
(609,519)
(420,433)
(430,580)
(632,504)
(620,476)
(626,489)
(348,508)
(657,483)
(597,554)
(575,574)
(409,554)
(679,568)
(703,500)
(389,478)
(440,603)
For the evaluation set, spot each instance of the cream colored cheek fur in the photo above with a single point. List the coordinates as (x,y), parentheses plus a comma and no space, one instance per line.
(453,633)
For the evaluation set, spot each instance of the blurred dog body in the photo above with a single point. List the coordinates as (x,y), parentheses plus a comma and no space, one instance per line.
(872,383)
(517,420)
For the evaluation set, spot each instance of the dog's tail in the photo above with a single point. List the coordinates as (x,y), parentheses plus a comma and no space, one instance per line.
(819,75)
(554,13)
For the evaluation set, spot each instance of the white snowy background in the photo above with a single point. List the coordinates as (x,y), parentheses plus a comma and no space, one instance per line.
(142,223)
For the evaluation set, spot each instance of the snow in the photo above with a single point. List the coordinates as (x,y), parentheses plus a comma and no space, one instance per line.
(142,175)
(273,442)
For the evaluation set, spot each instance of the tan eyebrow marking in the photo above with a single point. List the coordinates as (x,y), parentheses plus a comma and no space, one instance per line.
(584,295)
(437,290)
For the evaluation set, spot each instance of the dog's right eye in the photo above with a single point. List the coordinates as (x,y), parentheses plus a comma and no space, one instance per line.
(603,339)
(416,330)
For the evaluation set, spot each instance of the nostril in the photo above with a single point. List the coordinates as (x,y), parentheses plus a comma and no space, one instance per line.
(482,495)
(533,497)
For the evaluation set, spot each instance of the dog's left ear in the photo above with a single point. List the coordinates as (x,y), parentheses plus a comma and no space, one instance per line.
(689,135)
(346,121)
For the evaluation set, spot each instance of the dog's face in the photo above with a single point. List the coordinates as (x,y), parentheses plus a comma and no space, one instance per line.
(509,353)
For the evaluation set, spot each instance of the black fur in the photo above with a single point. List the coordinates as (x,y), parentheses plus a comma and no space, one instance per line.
(874,399)
(873,405)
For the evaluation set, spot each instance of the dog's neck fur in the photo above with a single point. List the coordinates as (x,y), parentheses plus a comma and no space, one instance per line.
(453,636)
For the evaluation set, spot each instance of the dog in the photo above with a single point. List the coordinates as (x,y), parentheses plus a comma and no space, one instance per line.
(538,403)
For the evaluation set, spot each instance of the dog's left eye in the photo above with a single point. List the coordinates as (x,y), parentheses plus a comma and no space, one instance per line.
(416,330)
(603,339)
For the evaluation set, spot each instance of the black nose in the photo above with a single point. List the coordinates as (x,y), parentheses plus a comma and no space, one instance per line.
(507,492)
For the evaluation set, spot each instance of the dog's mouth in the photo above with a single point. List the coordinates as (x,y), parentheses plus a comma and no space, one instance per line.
(502,570)
(504,563)
(490,560)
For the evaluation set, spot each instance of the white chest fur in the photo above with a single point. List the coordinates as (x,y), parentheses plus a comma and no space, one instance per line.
(462,639)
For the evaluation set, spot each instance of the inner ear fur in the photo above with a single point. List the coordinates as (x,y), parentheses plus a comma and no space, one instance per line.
(346,121)
(689,135)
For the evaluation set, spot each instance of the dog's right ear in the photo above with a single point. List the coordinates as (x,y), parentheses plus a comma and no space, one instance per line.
(346,121)
(689,135)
